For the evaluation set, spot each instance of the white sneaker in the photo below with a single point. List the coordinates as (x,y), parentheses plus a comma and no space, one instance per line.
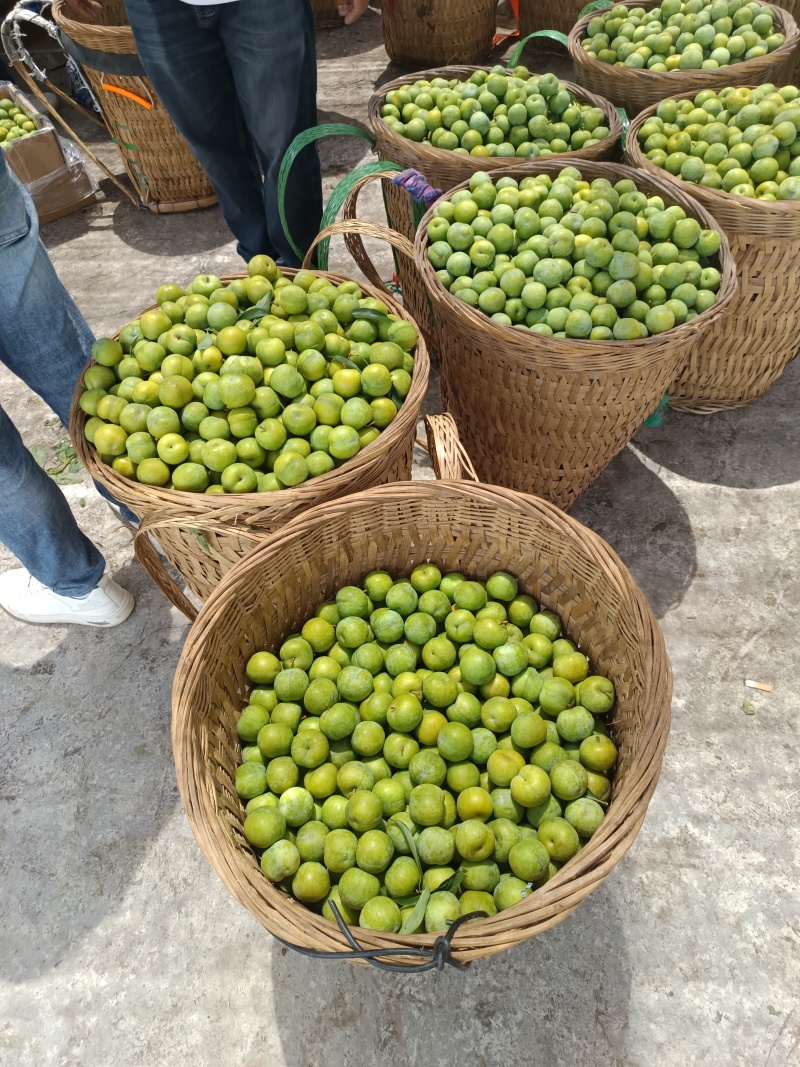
(27,599)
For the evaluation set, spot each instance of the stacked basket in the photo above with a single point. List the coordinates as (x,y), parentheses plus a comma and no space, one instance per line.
(418,33)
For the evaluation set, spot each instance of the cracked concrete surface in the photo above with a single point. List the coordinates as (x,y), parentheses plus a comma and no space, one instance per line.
(118,943)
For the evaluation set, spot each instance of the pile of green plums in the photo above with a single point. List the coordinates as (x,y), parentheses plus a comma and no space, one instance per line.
(424,748)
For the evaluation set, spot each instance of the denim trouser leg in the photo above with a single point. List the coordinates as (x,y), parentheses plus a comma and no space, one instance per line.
(232,76)
(45,342)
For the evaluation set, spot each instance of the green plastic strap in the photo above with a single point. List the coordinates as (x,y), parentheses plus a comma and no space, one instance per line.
(554,35)
(340,194)
(596,5)
(303,140)
(658,415)
(623,114)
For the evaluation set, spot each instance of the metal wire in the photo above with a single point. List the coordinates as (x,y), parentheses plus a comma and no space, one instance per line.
(438,955)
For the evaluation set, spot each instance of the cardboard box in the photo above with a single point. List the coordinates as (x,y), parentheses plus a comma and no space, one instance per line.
(50,167)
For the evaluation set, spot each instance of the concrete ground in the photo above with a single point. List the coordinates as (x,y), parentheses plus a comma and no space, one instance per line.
(120,946)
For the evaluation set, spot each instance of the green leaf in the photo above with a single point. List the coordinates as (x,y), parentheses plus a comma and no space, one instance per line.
(659,526)
(82,502)
(396,398)
(412,844)
(200,540)
(39,453)
(748,707)
(370,314)
(344,361)
(772,1011)
(414,921)
(265,302)
(407,902)
(67,478)
(207,342)
(253,313)
(453,882)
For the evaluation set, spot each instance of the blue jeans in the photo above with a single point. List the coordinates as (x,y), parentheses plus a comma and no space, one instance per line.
(239,80)
(45,342)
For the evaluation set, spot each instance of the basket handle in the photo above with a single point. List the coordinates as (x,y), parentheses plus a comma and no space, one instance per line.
(596,5)
(554,35)
(360,227)
(151,561)
(301,141)
(449,458)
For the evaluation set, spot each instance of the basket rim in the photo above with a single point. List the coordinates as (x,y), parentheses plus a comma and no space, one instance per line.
(216,505)
(652,78)
(118,38)
(573,354)
(429,153)
(599,854)
(788,210)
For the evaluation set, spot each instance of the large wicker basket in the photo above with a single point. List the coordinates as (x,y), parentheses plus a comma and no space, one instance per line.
(748,348)
(791,7)
(444,169)
(638,89)
(461,526)
(326,14)
(546,415)
(158,160)
(203,535)
(422,33)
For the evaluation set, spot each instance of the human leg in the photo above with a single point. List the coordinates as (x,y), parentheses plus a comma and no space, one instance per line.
(185,59)
(272,56)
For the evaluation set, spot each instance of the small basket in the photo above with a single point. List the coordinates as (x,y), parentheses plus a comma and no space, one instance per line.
(546,415)
(636,90)
(159,162)
(326,14)
(420,33)
(203,535)
(461,526)
(747,349)
(444,169)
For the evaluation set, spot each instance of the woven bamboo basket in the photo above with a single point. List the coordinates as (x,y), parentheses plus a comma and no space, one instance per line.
(747,349)
(636,90)
(159,162)
(461,526)
(326,14)
(203,535)
(546,415)
(420,33)
(791,7)
(444,169)
(558,15)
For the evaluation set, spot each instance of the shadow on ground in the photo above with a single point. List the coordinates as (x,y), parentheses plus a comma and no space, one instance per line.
(87,781)
(654,539)
(562,997)
(746,448)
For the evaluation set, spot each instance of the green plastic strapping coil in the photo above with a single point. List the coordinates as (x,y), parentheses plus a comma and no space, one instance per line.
(658,415)
(340,194)
(554,35)
(596,5)
(303,140)
(623,114)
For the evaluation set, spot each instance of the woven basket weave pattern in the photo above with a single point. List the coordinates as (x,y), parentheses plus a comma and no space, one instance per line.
(546,415)
(419,33)
(636,90)
(203,535)
(471,528)
(326,14)
(164,172)
(747,349)
(444,169)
